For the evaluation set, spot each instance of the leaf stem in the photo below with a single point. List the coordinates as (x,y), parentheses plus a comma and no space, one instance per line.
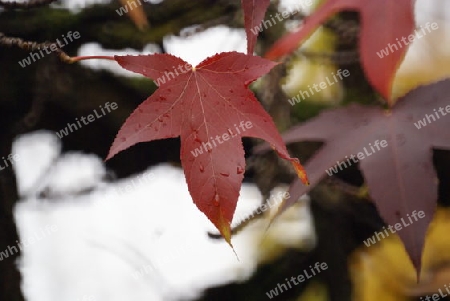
(91,57)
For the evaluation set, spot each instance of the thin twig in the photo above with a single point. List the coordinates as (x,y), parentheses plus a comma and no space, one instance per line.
(347,29)
(359,192)
(339,57)
(347,32)
(32,46)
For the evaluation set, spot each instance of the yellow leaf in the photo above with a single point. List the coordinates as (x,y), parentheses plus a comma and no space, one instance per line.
(384,272)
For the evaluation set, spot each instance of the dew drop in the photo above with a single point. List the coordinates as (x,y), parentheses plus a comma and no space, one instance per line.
(240,170)
(196,139)
(202,168)
(162,98)
(123,139)
(204,94)
(225,174)
(246,68)
(231,91)
(140,110)
(169,90)
(166,115)
(160,119)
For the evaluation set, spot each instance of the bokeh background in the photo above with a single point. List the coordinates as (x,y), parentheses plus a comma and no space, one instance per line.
(127,229)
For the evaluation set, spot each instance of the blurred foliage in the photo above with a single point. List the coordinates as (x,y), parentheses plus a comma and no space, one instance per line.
(384,271)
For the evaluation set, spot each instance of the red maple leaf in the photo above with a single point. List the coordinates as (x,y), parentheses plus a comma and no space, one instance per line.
(254,11)
(211,108)
(400,175)
(383,22)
